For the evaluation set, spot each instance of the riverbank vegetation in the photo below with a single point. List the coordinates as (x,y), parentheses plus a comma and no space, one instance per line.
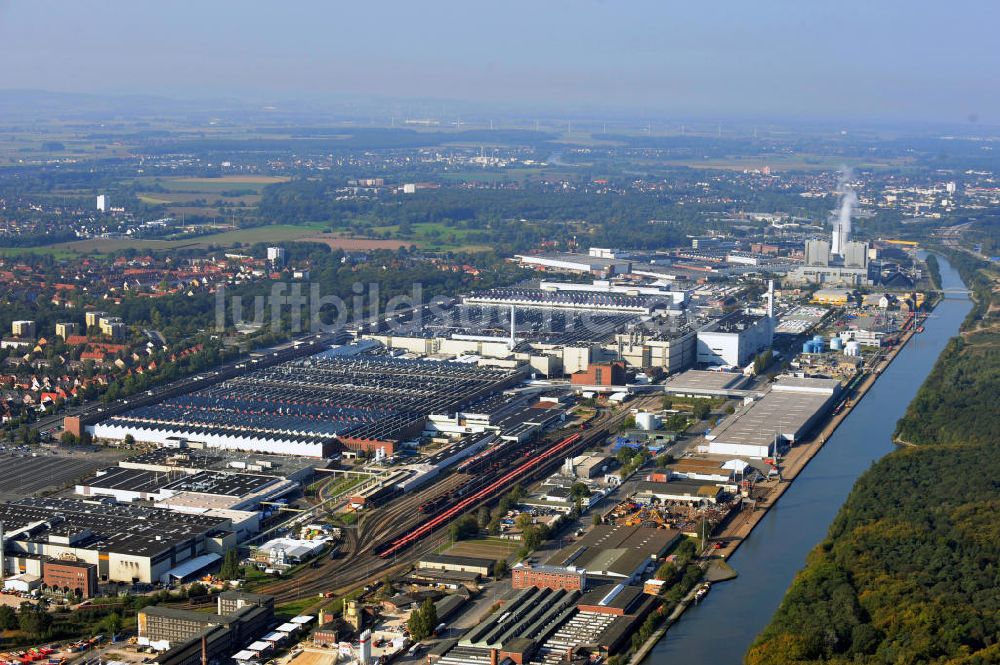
(909,570)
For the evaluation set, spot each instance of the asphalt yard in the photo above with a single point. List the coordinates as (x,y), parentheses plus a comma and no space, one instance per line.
(22,476)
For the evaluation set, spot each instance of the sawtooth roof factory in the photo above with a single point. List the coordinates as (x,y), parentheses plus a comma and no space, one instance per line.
(312,407)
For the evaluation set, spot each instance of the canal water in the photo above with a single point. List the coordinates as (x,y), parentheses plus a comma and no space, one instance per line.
(720,630)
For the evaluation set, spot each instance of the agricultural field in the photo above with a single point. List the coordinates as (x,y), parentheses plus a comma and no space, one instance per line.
(274,233)
(204,196)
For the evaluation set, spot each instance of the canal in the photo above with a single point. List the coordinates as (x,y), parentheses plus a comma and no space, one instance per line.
(720,630)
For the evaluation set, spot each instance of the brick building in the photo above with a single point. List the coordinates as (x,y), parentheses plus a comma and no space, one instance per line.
(601,374)
(527,575)
(76,576)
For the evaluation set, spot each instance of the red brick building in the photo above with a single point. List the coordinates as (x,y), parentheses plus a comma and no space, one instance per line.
(548,577)
(601,374)
(75,576)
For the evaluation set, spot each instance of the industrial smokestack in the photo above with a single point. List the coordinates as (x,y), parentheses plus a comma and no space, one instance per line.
(512,342)
(770,298)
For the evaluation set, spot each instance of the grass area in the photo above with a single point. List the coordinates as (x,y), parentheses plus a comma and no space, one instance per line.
(272,233)
(485,548)
(337,487)
(434,236)
(211,185)
(168,198)
(294,608)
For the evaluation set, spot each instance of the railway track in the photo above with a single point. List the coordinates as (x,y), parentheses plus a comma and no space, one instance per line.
(357,564)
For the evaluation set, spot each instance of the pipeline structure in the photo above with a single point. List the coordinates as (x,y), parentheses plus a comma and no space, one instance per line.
(391,547)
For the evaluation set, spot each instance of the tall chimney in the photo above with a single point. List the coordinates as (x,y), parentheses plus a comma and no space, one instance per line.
(770,298)
(512,342)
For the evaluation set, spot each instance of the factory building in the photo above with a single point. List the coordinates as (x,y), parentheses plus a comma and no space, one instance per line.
(597,301)
(848,266)
(567,578)
(704,383)
(79,577)
(542,625)
(678,297)
(671,351)
(126,544)
(734,339)
(616,553)
(601,266)
(312,407)
(781,417)
(601,375)
(460,564)
(691,492)
(185,636)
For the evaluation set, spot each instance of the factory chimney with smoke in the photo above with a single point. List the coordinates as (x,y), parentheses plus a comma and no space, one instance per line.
(842,223)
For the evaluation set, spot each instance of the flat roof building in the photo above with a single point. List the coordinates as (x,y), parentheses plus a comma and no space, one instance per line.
(703,383)
(734,339)
(126,543)
(783,415)
(616,553)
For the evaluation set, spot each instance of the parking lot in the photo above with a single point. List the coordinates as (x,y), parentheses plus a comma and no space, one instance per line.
(24,475)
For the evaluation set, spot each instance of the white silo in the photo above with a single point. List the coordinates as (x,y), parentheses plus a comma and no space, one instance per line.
(852,348)
(647,421)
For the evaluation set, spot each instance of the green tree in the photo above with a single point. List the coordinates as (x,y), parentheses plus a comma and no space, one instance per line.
(197,590)
(111,624)
(33,620)
(423,620)
(231,569)
(8,618)
(500,568)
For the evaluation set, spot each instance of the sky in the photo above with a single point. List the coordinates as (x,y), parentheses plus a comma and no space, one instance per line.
(921,60)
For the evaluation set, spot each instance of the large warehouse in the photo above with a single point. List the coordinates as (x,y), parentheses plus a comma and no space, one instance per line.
(783,415)
(126,543)
(312,407)
(210,489)
(616,553)
(584,300)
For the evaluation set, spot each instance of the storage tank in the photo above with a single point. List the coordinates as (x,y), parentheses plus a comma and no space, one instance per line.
(853,348)
(647,421)
(836,343)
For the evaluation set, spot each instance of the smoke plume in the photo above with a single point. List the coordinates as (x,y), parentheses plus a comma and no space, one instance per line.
(848,201)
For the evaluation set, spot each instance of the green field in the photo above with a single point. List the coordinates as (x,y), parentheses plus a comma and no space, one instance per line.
(433,236)
(273,233)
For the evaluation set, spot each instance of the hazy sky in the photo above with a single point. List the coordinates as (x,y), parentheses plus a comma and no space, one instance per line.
(853,59)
